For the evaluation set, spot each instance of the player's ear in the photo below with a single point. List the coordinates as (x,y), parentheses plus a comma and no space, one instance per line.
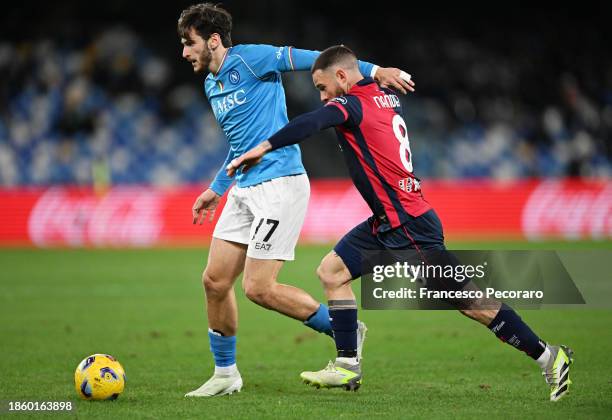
(213,41)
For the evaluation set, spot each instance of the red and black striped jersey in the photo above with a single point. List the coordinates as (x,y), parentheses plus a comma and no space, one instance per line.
(375,144)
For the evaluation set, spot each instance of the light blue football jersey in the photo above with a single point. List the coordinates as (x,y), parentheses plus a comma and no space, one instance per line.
(248,100)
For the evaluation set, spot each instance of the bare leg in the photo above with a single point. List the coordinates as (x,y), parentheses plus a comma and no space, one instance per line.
(482,310)
(335,278)
(260,286)
(225,263)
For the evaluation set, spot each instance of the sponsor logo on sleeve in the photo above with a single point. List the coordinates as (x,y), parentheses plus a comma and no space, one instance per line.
(279,53)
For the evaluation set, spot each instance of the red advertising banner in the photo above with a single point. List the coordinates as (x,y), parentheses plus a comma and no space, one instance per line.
(146,216)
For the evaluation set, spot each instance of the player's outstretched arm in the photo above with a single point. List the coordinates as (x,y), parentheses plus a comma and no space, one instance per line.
(263,60)
(394,78)
(295,131)
(389,77)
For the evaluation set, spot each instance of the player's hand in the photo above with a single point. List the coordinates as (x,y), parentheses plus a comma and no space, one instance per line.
(396,79)
(205,204)
(248,160)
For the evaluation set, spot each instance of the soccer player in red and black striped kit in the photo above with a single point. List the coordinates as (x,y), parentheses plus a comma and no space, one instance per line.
(374,140)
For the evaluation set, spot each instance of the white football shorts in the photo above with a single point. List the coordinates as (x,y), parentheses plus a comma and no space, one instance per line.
(267,217)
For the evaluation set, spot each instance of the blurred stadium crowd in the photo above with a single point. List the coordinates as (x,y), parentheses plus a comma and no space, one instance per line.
(103,111)
(112,109)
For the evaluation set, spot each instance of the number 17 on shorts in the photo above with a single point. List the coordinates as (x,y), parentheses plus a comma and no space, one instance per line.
(265,241)
(267,217)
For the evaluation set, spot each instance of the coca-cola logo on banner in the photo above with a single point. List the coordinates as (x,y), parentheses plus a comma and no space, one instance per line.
(557,208)
(150,216)
(128,216)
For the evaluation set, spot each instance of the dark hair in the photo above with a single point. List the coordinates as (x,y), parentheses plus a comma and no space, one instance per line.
(206,19)
(334,55)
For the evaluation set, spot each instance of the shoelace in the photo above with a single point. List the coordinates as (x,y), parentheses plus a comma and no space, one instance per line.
(331,367)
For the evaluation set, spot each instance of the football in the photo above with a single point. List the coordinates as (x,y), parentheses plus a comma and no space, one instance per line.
(99,377)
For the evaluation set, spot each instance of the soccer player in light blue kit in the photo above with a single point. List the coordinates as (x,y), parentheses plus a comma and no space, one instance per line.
(260,224)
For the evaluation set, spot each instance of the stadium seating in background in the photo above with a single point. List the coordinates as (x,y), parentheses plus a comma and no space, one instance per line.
(109,112)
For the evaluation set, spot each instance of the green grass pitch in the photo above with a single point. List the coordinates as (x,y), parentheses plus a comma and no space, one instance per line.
(146,308)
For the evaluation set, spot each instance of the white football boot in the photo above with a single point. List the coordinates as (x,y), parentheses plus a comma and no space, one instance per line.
(219,385)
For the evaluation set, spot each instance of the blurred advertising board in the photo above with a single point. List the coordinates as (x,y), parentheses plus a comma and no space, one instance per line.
(140,216)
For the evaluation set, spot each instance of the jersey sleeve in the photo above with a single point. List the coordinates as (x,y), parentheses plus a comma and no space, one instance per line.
(222,182)
(299,59)
(306,125)
(350,106)
(266,59)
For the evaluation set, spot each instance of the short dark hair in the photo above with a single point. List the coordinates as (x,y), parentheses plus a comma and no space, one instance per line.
(334,55)
(206,19)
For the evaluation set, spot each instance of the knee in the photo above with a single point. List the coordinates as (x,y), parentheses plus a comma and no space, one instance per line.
(330,278)
(257,293)
(215,285)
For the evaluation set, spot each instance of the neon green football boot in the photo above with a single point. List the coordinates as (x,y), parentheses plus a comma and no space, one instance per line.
(557,371)
(335,375)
